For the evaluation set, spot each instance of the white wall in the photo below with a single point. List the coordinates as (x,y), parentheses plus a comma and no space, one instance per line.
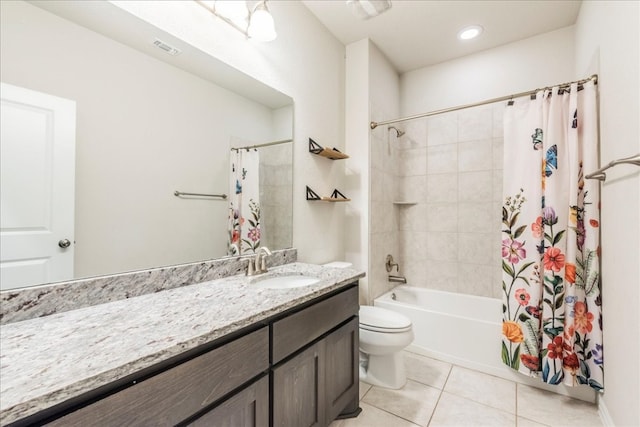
(356,233)
(607,43)
(535,62)
(144,130)
(305,62)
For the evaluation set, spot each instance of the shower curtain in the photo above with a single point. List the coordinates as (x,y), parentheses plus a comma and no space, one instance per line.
(552,319)
(244,202)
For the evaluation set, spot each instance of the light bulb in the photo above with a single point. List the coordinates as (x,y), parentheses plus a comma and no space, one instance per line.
(470,32)
(261,25)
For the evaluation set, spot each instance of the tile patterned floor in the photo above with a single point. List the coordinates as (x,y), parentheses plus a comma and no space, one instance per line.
(440,394)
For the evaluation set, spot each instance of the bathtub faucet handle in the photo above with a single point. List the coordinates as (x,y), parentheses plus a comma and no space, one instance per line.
(390,264)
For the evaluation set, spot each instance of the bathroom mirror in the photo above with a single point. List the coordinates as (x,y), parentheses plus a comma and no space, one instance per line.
(148,123)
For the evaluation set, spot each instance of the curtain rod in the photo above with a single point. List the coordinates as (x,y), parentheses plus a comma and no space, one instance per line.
(266,144)
(374,125)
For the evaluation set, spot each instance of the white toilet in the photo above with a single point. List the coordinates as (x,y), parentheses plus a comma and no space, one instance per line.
(383,336)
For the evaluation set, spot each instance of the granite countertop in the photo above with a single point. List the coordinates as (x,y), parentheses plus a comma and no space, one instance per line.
(47,360)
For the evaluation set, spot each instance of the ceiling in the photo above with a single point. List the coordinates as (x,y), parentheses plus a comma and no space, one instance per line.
(418,33)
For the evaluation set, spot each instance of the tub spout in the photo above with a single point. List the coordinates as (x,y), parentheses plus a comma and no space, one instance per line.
(398,279)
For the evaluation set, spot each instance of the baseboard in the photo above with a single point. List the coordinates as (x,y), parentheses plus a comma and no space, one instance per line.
(603,412)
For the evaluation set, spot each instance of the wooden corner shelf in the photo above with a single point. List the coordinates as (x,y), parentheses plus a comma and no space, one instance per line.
(336,196)
(329,153)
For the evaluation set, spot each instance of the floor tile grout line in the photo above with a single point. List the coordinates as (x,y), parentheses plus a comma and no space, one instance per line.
(435,407)
(390,413)
(480,403)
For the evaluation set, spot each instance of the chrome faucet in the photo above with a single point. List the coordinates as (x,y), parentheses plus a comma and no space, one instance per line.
(389,264)
(397,279)
(258,265)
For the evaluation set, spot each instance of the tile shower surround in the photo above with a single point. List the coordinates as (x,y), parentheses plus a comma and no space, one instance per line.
(450,165)
(37,301)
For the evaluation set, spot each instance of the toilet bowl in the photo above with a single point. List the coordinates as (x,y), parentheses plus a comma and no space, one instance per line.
(383,336)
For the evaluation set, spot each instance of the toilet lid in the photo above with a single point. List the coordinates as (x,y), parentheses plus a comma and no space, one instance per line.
(383,320)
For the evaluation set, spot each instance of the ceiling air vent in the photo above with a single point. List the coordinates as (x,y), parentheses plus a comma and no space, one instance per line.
(166,47)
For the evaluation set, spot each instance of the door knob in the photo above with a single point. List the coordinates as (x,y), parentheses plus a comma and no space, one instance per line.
(64,243)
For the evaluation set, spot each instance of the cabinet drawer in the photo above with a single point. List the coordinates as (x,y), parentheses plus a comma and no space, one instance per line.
(302,327)
(179,392)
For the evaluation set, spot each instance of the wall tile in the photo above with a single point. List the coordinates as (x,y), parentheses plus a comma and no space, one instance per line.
(442,129)
(451,240)
(411,188)
(477,279)
(442,188)
(442,275)
(497,185)
(474,217)
(498,119)
(415,134)
(376,178)
(412,217)
(442,159)
(475,124)
(498,153)
(377,151)
(442,246)
(411,256)
(475,155)
(412,162)
(475,186)
(476,248)
(442,217)
(383,217)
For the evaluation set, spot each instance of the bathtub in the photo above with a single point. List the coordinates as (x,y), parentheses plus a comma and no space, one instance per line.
(464,330)
(456,328)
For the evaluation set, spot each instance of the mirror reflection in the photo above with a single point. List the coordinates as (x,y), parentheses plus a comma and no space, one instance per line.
(147,124)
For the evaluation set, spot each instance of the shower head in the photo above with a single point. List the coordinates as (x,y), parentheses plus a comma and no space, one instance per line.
(399,132)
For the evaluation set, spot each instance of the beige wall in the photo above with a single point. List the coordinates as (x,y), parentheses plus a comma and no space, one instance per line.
(608,43)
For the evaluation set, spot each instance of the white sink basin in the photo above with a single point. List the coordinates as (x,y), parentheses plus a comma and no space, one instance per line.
(287,282)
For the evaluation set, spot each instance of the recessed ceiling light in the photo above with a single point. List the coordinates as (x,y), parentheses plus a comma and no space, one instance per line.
(470,32)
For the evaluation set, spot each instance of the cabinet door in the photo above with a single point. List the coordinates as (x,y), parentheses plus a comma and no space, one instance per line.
(298,390)
(247,408)
(341,370)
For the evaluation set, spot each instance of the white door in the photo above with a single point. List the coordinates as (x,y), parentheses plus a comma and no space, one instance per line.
(37,180)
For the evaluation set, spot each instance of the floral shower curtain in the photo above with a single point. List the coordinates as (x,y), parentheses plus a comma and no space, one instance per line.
(552,319)
(244,202)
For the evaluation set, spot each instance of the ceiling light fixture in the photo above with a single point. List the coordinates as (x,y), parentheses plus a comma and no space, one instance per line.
(365,9)
(256,23)
(470,32)
(261,25)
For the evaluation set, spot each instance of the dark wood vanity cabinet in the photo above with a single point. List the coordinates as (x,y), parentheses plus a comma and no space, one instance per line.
(316,385)
(247,408)
(299,368)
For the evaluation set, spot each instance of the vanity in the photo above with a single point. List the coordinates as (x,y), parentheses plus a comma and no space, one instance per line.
(225,352)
